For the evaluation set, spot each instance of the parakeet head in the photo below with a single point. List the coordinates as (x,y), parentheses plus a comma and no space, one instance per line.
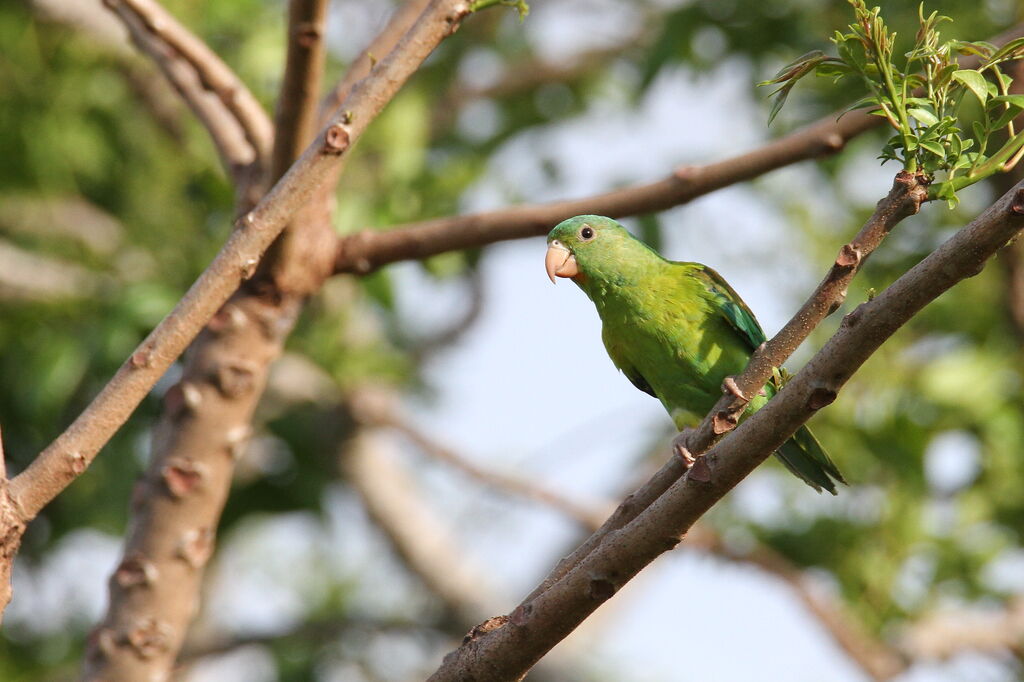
(590,246)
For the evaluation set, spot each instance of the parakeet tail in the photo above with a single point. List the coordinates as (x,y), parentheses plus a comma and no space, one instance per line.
(803,455)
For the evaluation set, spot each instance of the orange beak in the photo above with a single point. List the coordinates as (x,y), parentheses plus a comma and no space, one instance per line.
(559,261)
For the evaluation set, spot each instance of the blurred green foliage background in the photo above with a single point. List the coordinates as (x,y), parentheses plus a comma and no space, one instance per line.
(112,202)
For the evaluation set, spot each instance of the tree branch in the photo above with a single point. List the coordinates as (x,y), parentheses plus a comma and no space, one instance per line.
(876,659)
(537,624)
(69,455)
(296,117)
(377,408)
(238,125)
(365,251)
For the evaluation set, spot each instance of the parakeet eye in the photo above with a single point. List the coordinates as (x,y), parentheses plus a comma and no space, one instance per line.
(587,233)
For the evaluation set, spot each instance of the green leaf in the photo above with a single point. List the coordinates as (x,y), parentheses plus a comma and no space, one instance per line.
(1010,50)
(924,116)
(934,148)
(1015,100)
(974,82)
(980,134)
(780,98)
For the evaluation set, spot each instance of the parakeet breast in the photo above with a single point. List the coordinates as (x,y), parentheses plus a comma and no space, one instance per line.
(667,332)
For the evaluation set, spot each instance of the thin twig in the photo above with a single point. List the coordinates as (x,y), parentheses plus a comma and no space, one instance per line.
(372,407)
(536,625)
(875,658)
(213,73)
(239,127)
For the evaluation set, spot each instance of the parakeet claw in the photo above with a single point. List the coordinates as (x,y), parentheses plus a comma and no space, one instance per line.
(729,386)
(679,447)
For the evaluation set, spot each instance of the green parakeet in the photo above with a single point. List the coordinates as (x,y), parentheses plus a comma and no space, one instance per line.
(676,330)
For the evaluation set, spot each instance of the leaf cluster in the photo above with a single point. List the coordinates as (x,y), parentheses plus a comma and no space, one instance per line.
(923,95)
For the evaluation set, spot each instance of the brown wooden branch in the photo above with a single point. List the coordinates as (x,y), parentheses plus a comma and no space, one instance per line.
(296,118)
(70,454)
(877,660)
(536,625)
(213,73)
(294,265)
(236,122)
(365,251)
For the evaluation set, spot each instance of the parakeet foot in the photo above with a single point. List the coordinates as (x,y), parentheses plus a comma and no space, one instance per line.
(680,446)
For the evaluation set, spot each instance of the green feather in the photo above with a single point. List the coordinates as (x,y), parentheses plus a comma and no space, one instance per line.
(676,330)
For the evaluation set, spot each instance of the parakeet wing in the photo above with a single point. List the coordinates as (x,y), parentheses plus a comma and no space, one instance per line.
(732,307)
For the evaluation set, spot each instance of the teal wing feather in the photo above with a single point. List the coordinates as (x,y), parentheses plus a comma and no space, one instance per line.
(732,307)
(802,454)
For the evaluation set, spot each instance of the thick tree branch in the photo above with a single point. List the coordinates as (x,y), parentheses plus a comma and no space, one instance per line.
(507,652)
(72,452)
(876,659)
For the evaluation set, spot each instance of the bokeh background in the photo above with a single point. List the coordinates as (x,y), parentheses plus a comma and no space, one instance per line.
(112,201)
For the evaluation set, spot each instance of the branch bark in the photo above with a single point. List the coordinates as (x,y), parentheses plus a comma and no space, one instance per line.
(153,641)
(239,127)
(507,652)
(207,416)
(365,251)
(877,660)
(296,117)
